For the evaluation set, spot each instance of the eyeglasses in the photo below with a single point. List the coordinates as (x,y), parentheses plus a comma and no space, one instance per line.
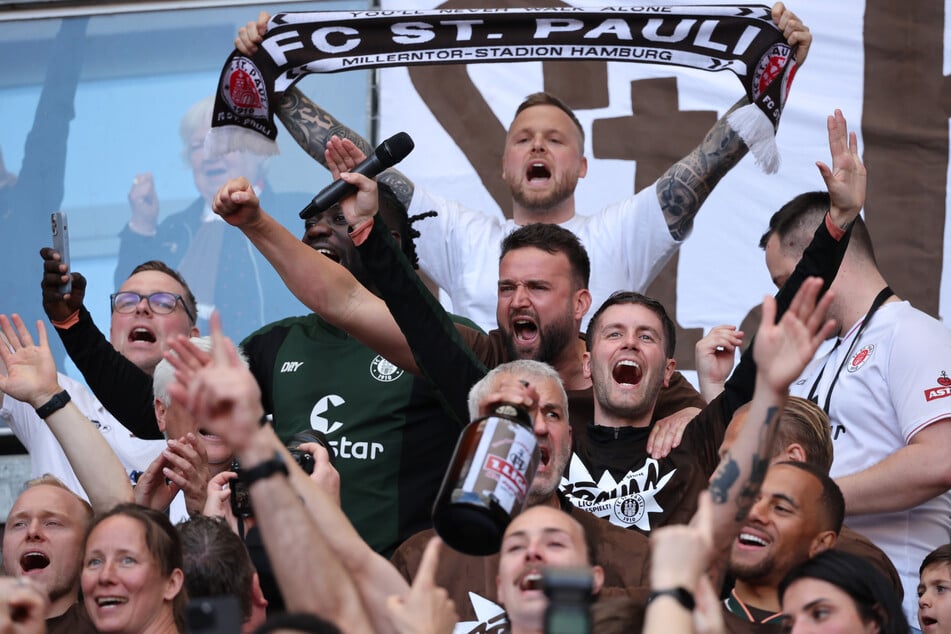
(159,303)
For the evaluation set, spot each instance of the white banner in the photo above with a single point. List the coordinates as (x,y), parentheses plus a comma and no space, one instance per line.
(721,273)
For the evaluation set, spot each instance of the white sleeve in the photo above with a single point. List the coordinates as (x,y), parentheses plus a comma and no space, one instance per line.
(22,419)
(918,367)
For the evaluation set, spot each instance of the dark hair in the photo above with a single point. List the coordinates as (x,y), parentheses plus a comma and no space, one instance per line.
(831,502)
(796,222)
(805,423)
(940,555)
(162,541)
(547,99)
(216,561)
(874,598)
(630,297)
(552,239)
(162,267)
(300,621)
(394,214)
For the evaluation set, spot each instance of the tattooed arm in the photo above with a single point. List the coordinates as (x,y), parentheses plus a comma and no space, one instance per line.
(309,124)
(685,186)
(781,351)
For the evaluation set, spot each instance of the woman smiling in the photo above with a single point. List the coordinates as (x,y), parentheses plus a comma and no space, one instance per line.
(132,577)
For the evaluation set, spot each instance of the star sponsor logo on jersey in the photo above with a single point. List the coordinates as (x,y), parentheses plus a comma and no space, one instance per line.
(384,371)
(861,357)
(626,502)
(343,447)
(490,618)
(942,390)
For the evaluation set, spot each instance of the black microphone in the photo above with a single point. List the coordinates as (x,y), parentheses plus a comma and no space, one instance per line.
(386,155)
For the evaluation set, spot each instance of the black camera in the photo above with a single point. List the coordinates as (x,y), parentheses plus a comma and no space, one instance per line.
(213,615)
(241,499)
(569,600)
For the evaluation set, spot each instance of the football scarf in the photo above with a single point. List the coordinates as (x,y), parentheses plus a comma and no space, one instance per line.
(740,39)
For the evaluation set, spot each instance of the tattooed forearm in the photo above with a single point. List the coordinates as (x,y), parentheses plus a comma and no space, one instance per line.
(312,126)
(723,480)
(759,464)
(685,186)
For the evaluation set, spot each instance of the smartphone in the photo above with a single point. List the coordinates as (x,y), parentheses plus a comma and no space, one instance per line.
(240,496)
(213,615)
(60,232)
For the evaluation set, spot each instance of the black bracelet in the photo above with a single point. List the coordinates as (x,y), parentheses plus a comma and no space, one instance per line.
(680,594)
(264,470)
(56,403)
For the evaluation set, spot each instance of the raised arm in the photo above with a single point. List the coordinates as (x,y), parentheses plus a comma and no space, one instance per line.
(31,377)
(781,351)
(225,397)
(685,186)
(309,124)
(321,284)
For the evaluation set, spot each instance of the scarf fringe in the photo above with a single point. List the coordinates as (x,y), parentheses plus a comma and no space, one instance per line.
(223,140)
(756,130)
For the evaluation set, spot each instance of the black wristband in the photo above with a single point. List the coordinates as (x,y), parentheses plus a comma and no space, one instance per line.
(680,594)
(264,470)
(56,403)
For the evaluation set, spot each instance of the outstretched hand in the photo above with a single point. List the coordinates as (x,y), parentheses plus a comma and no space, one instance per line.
(427,609)
(846,180)
(30,369)
(782,350)
(343,155)
(223,395)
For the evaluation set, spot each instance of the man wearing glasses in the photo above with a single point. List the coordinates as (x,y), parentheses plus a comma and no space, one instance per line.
(153,304)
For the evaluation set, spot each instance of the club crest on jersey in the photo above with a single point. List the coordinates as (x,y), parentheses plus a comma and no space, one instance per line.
(941,390)
(384,371)
(861,357)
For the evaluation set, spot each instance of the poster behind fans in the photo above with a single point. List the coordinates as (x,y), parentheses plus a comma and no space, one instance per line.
(640,118)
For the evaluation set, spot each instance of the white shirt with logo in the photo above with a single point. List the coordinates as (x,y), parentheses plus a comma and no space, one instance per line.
(46,454)
(895,382)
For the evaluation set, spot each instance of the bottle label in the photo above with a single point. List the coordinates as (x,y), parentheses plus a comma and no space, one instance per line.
(504,458)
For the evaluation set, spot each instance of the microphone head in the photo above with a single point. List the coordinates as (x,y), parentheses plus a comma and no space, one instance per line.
(394,149)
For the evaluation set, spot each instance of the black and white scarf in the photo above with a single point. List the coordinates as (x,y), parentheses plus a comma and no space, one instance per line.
(741,39)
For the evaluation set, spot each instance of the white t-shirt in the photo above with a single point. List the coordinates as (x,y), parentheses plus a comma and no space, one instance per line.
(46,454)
(894,384)
(628,243)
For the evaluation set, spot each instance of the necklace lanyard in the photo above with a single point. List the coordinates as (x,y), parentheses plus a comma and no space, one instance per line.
(880,299)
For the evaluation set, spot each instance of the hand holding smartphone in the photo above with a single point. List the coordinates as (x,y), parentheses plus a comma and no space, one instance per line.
(60,231)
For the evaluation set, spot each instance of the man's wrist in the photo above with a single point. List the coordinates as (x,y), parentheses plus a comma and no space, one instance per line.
(146,230)
(680,594)
(47,404)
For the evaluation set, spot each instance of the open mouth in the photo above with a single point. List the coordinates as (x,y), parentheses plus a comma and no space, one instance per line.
(333,255)
(105,602)
(545,456)
(627,372)
(529,580)
(537,171)
(751,540)
(525,329)
(927,621)
(33,561)
(142,334)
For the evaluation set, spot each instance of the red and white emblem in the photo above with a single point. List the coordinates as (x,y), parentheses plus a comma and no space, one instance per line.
(243,89)
(861,357)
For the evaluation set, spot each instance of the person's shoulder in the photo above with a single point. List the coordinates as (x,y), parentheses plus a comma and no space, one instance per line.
(190,215)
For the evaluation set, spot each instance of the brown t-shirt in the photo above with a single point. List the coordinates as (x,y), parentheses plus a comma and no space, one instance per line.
(622,553)
(72,621)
